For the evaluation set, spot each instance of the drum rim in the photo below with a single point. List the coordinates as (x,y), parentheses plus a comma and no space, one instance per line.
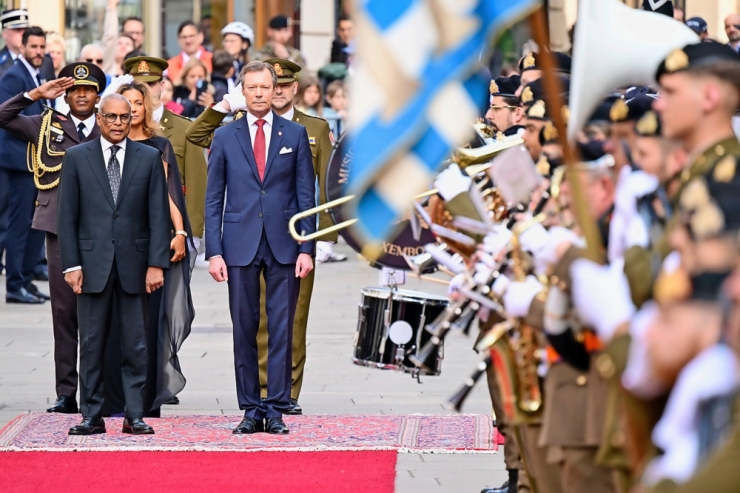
(405,295)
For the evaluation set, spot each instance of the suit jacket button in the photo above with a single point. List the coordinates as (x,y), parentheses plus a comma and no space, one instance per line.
(115,216)
(113,241)
(260,214)
(262,192)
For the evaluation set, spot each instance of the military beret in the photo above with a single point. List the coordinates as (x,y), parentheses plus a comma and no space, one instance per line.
(146,68)
(533,98)
(632,110)
(648,125)
(593,156)
(695,56)
(532,61)
(279,22)
(505,86)
(549,134)
(85,74)
(286,70)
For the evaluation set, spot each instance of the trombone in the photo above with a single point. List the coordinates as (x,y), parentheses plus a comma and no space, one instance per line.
(469,159)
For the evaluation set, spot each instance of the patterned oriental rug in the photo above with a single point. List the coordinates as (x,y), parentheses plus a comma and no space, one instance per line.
(412,434)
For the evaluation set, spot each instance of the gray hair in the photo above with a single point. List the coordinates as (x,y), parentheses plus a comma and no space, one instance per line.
(257,66)
(113,97)
(89,46)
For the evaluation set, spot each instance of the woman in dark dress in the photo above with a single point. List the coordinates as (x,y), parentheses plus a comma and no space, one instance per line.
(170,308)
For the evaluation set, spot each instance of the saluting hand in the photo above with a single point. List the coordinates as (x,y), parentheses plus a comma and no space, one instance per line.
(303,265)
(74,279)
(52,89)
(154,279)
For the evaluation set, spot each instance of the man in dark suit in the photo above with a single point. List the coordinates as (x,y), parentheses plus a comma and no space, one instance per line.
(24,245)
(52,133)
(262,182)
(114,231)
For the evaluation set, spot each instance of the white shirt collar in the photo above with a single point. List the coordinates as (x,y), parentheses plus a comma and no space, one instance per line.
(107,145)
(14,56)
(34,71)
(268,118)
(89,122)
(186,57)
(157,113)
(289,114)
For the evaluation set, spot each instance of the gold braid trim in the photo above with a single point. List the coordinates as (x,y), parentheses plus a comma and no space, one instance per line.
(35,165)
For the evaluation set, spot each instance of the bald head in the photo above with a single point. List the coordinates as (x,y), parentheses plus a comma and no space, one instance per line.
(731,29)
(92,53)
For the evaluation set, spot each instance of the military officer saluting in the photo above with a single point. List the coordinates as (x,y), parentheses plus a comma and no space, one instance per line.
(50,134)
(320,141)
(191,159)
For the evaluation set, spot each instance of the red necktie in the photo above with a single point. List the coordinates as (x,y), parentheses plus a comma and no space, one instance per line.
(259,148)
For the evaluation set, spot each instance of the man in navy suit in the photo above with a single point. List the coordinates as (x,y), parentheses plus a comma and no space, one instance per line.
(260,174)
(24,244)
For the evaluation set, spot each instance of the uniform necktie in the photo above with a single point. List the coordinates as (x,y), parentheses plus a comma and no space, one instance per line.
(114,172)
(260,148)
(81,131)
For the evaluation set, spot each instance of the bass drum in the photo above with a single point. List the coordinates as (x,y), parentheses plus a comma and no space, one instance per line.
(404,243)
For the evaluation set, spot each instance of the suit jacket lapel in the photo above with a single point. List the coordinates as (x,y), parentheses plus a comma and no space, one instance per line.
(95,158)
(130,163)
(241,129)
(275,140)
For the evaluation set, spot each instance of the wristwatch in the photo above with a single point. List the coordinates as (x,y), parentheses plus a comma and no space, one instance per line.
(183,233)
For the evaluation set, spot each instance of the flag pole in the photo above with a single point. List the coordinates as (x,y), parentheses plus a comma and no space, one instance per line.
(551,84)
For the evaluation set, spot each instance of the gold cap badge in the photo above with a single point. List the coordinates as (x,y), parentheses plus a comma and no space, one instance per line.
(619,111)
(527,95)
(528,61)
(278,69)
(537,110)
(143,67)
(493,88)
(676,60)
(550,132)
(81,72)
(648,124)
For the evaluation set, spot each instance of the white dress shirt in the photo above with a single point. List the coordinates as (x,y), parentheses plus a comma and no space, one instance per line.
(157,113)
(120,155)
(267,127)
(89,123)
(33,71)
(288,115)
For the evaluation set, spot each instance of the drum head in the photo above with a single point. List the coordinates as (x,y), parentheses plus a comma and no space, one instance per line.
(404,243)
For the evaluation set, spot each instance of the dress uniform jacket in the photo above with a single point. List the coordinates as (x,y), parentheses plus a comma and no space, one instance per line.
(191,161)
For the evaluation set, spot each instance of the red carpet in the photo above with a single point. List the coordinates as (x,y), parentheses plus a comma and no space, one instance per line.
(264,472)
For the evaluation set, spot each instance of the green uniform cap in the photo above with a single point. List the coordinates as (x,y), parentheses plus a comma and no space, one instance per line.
(146,68)
(285,69)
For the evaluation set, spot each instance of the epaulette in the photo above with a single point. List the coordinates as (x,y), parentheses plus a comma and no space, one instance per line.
(183,117)
(313,116)
(59,114)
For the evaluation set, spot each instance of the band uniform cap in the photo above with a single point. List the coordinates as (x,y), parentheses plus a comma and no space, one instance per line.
(695,56)
(698,25)
(146,68)
(632,110)
(648,125)
(85,74)
(505,86)
(240,29)
(279,22)
(285,70)
(15,19)
(532,61)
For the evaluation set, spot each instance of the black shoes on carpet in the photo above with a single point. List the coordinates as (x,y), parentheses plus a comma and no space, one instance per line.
(295,409)
(248,426)
(64,405)
(24,296)
(89,426)
(136,426)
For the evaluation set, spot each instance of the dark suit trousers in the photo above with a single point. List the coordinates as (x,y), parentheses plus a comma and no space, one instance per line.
(4,213)
(23,245)
(64,319)
(244,302)
(95,312)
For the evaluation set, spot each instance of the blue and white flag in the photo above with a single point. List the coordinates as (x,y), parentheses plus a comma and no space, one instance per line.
(416,91)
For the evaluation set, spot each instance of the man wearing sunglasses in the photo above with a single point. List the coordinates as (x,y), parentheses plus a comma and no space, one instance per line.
(78,87)
(114,229)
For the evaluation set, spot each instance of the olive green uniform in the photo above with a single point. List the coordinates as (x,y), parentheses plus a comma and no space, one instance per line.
(191,161)
(319,138)
(268,51)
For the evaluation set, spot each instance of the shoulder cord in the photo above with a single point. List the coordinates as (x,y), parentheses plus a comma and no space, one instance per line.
(33,156)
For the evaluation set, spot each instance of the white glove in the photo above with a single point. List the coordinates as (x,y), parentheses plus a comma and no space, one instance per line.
(452,182)
(499,286)
(497,240)
(557,235)
(639,377)
(116,83)
(555,320)
(455,284)
(637,233)
(601,296)
(324,250)
(534,238)
(482,273)
(519,296)
(235,99)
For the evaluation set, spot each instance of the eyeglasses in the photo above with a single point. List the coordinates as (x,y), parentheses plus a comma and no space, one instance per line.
(112,117)
(99,61)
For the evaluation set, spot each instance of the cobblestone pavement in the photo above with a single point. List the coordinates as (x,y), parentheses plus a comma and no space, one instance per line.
(332,385)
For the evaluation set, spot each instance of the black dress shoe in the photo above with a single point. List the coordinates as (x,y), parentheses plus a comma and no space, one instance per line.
(295,409)
(41,273)
(173,401)
(34,290)
(276,426)
(504,488)
(89,426)
(248,426)
(22,296)
(136,426)
(64,405)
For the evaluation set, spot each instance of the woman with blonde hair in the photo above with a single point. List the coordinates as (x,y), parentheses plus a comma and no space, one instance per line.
(170,308)
(56,49)
(192,89)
